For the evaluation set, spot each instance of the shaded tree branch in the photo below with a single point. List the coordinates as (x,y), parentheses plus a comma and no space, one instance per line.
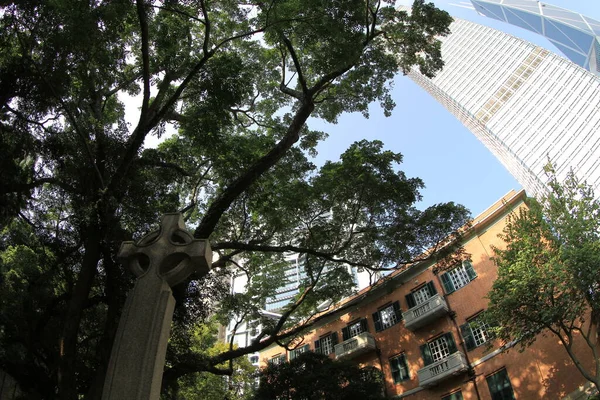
(141,12)
(285,249)
(296,62)
(245,180)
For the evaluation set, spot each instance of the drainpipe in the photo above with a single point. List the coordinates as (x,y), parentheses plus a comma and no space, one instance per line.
(452,314)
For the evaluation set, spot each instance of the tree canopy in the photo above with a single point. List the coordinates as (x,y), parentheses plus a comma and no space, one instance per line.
(548,276)
(237,81)
(313,376)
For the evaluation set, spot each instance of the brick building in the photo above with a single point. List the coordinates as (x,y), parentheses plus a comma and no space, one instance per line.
(422,330)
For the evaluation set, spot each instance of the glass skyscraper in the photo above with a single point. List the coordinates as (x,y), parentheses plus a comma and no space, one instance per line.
(524,103)
(574,34)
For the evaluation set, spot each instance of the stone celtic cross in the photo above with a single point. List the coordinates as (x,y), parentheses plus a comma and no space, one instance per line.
(160,260)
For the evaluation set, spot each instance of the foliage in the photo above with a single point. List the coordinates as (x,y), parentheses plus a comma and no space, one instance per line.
(84,84)
(239,385)
(548,276)
(312,376)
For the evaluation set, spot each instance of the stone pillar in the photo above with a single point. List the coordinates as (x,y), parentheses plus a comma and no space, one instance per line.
(160,260)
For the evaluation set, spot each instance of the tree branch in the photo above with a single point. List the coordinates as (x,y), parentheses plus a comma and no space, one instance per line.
(242,183)
(109,92)
(68,113)
(20,187)
(173,10)
(573,357)
(284,249)
(296,61)
(164,164)
(141,12)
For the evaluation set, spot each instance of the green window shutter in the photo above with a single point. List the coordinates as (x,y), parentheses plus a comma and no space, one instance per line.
(467,334)
(334,338)
(397,310)
(454,396)
(451,343)
(318,346)
(403,366)
(470,271)
(500,387)
(364,326)
(493,384)
(395,369)
(410,300)
(426,354)
(431,288)
(448,285)
(399,368)
(377,321)
(345,333)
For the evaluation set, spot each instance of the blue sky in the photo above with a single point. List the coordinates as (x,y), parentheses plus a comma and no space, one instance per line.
(454,165)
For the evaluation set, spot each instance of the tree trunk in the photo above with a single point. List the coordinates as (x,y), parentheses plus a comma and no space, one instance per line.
(115,301)
(67,385)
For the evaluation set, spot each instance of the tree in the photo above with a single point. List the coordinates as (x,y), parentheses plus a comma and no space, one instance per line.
(238,80)
(312,376)
(239,385)
(548,276)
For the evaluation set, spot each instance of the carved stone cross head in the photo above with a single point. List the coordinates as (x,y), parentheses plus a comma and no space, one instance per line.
(171,252)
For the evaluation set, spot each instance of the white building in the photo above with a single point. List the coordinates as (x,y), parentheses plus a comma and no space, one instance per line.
(575,35)
(524,103)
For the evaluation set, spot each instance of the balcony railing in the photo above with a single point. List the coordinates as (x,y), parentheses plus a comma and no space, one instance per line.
(355,346)
(425,313)
(434,373)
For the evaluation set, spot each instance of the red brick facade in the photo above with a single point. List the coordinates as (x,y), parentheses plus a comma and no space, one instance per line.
(543,371)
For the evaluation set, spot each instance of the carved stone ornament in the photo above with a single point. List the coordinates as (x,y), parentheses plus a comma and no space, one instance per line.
(171,252)
(160,260)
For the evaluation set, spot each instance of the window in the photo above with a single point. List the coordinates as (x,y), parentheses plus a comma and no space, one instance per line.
(355,328)
(399,368)
(458,277)
(438,349)
(387,316)
(278,359)
(499,385)
(297,351)
(253,360)
(325,345)
(454,396)
(421,295)
(475,333)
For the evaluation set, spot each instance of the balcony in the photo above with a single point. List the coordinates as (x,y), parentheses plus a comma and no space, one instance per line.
(433,374)
(425,313)
(355,346)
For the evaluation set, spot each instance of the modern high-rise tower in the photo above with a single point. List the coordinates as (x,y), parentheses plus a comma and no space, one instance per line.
(524,103)
(575,35)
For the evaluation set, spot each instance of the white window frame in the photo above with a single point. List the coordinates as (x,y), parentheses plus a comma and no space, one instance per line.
(439,349)
(388,317)
(326,345)
(355,329)
(278,359)
(403,370)
(421,296)
(459,277)
(297,351)
(480,332)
